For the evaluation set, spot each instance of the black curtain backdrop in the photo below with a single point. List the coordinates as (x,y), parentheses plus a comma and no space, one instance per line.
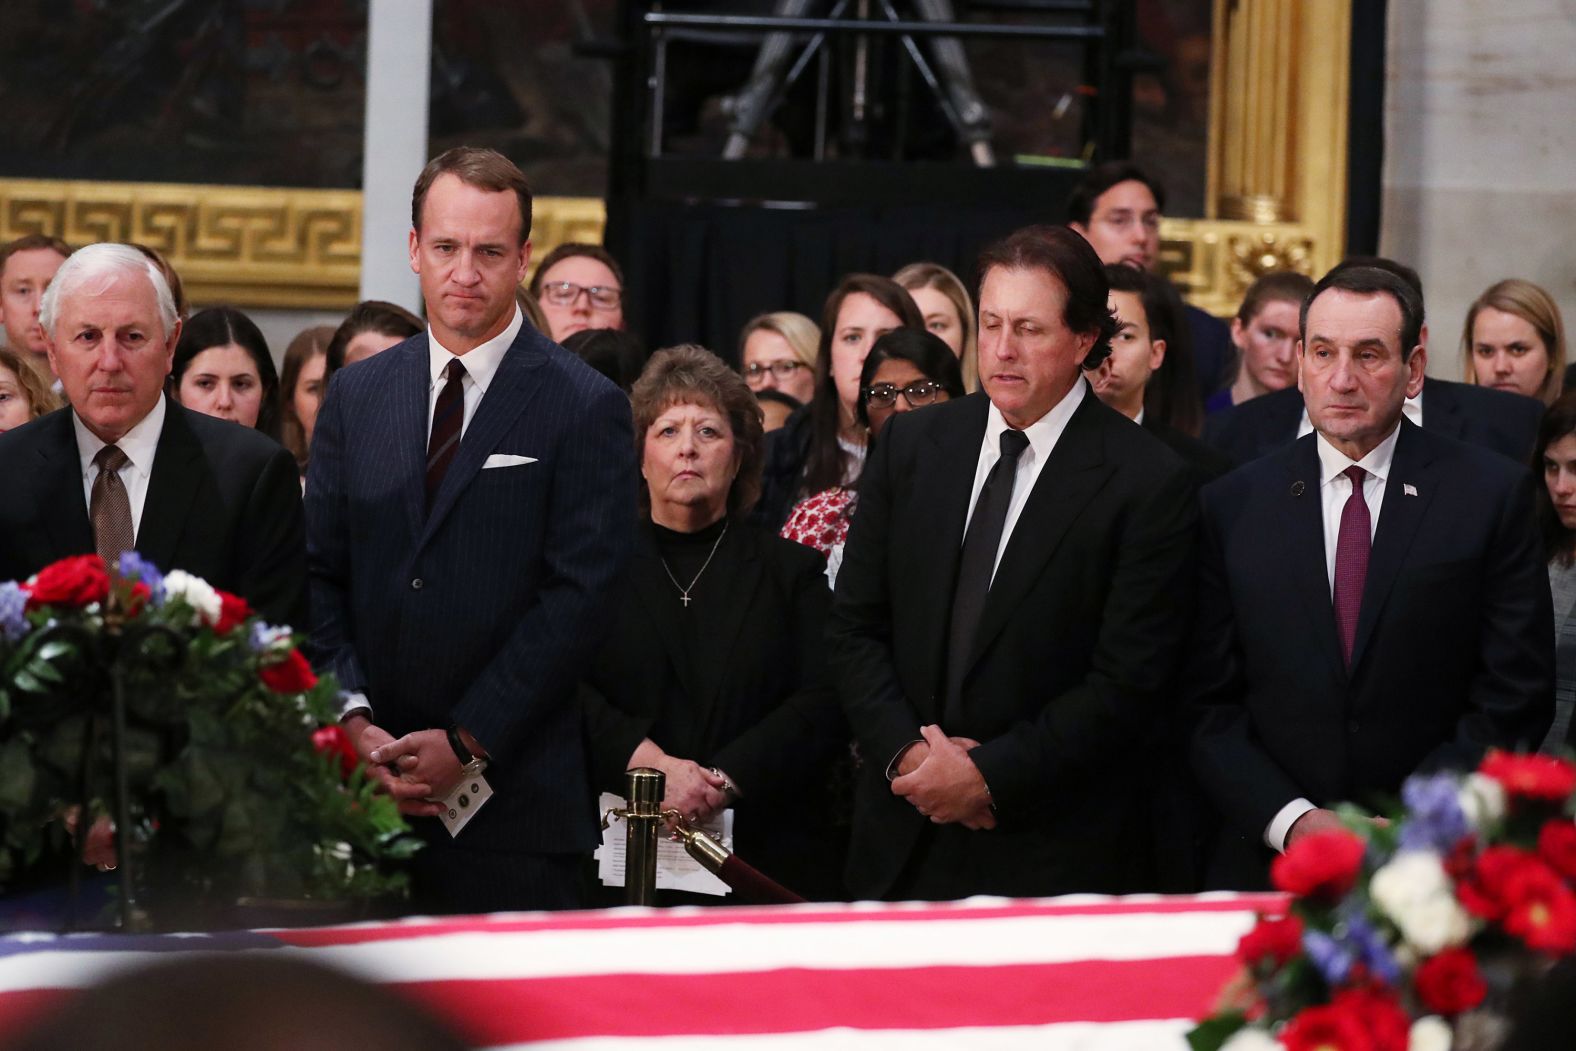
(1365,134)
(698,272)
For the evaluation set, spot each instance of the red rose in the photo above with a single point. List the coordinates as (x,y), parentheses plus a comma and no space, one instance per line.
(1484,890)
(1327,1028)
(137,598)
(233,612)
(1450,982)
(1389,1027)
(291,675)
(1542,910)
(1544,778)
(1557,846)
(1320,865)
(1276,942)
(76,581)
(334,741)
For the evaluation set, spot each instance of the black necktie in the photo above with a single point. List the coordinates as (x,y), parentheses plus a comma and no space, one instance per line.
(447,418)
(977,566)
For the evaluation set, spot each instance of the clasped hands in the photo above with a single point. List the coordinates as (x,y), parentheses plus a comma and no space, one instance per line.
(696,792)
(415,770)
(937,776)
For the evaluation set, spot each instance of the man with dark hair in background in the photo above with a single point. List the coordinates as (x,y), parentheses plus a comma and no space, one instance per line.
(1011,606)
(1117,209)
(1373,599)
(471,503)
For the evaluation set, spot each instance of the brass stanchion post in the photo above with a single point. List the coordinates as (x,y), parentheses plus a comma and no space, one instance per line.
(643,788)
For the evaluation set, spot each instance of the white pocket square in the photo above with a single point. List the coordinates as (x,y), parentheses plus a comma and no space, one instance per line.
(507,460)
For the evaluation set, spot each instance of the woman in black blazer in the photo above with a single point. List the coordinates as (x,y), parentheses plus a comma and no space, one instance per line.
(712,670)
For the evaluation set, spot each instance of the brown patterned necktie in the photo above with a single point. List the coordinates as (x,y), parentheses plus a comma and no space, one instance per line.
(111,508)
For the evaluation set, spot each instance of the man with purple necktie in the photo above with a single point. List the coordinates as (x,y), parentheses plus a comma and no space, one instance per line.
(1372,598)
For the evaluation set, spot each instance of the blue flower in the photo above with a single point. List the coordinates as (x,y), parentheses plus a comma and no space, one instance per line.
(133,566)
(265,637)
(13,603)
(1434,819)
(1370,948)
(1333,959)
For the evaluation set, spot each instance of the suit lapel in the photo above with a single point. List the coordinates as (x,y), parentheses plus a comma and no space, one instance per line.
(1302,523)
(1399,516)
(507,396)
(950,465)
(1073,473)
(64,509)
(172,487)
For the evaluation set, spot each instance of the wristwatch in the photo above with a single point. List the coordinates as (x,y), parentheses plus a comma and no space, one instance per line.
(469,763)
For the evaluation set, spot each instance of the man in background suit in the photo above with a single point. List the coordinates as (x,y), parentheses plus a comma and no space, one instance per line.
(1372,599)
(470,504)
(1010,608)
(125,468)
(1498,420)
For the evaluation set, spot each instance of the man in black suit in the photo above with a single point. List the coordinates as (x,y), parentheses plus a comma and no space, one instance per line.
(125,467)
(470,503)
(1372,599)
(1010,608)
(1494,419)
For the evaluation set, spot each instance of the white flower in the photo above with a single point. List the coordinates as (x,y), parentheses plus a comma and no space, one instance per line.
(1251,1039)
(1414,890)
(1430,1033)
(1482,800)
(195,592)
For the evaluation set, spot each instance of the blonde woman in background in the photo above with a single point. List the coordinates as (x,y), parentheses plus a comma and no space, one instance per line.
(1514,340)
(777,352)
(301,389)
(949,313)
(24,394)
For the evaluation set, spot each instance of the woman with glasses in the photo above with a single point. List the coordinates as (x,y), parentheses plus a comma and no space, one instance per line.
(907,369)
(823,445)
(579,286)
(777,352)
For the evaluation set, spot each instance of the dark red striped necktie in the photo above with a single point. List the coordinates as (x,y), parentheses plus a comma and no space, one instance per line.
(448,417)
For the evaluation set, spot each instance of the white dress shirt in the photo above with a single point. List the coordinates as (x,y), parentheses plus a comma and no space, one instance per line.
(1334,490)
(139,444)
(481,365)
(1043,435)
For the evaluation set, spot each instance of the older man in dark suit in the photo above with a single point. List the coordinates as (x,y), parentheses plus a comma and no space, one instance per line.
(126,468)
(1010,609)
(471,502)
(1372,599)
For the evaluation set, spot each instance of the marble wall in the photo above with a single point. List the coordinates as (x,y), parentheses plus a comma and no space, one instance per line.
(1480,126)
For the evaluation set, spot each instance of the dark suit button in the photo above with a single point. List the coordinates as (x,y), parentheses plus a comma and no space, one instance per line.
(415,585)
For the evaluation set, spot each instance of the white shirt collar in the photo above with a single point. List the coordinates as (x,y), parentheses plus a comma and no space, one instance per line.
(481,363)
(140,444)
(1043,432)
(1333,462)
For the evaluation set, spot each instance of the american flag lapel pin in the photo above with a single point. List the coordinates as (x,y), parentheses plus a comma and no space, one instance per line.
(1408,488)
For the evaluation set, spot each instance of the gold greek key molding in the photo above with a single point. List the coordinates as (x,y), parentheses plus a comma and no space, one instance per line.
(249,245)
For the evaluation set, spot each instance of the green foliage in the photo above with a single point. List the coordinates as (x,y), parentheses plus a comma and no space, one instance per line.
(229,797)
(1213,1034)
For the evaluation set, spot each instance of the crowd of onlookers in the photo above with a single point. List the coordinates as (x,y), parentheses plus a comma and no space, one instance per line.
(739,694)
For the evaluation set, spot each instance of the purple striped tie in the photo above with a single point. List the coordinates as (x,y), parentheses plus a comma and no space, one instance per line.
(447,419)
(1351,562)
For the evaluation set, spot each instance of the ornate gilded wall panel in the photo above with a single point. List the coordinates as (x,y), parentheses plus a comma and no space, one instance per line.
(253,246)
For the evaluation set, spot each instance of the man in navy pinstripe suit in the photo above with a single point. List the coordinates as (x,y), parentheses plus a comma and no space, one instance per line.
(469,504)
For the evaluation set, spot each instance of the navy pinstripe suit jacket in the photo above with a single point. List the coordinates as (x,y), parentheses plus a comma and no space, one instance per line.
(483,611)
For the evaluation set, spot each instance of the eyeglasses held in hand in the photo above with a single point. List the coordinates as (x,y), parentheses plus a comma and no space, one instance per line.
(755,371)
(564,294)
(884,395)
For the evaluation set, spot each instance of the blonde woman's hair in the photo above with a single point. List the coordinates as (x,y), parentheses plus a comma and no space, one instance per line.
(1538,309)
(802,334)
(934,275)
